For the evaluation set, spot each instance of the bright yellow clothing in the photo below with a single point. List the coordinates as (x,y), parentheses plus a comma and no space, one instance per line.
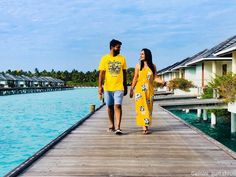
(114,67)
(144,92)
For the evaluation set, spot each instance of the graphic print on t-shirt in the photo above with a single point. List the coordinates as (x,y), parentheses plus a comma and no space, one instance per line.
(114,67)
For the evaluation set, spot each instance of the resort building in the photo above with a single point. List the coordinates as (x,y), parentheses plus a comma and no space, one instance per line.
(208,65)
(188,72)
(28,81)
(10,81)
(203,66)
(167,74)
(230,51)
(3,81)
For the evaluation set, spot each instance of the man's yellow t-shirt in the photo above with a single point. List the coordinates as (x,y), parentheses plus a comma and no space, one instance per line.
(114,67)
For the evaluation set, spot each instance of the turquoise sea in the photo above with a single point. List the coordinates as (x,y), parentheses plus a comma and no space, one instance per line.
(30,121)
(220,132)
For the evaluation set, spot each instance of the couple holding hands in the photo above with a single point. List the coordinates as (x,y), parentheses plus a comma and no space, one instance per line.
(112,72)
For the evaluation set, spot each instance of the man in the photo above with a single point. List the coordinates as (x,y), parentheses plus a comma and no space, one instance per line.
(112,69)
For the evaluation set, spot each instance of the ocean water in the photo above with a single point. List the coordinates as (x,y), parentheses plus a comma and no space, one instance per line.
(220,132)
(30,121)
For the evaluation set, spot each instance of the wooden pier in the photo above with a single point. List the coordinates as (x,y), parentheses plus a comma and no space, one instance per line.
(188,103)
(173,149)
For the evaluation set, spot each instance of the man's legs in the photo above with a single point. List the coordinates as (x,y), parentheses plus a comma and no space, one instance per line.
(118,113)
(110,110)
(109,99)
(118,97)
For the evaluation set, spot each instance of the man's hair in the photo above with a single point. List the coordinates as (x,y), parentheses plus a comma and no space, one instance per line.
(114,42)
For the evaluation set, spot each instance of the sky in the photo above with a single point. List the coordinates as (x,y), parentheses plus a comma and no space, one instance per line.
(75,34)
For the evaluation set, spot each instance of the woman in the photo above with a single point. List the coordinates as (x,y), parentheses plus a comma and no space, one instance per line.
(144,77)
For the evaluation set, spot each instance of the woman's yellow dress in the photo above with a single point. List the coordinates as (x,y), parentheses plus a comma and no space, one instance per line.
(144,92)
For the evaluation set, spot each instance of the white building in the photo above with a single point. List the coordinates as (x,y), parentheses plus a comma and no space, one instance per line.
(3,81)
(202,67)
(230,50)
(7,80)
(167,74)
(188,72)
(208,65)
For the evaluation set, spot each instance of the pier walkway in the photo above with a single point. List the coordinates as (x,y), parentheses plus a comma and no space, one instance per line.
(173,149)
(188,103)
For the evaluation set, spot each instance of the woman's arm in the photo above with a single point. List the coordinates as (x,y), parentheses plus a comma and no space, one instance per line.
(135,80)
(156,78)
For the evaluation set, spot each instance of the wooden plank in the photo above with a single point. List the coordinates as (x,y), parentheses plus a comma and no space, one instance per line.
(172,149)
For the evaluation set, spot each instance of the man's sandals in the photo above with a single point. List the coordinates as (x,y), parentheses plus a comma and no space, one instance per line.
(118,132)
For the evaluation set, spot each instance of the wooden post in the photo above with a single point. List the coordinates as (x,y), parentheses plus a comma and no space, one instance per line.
(204,114)
(234,62)
(213,67)
(213,119)
(233,123)
(92,108)
(180,71)
(233,115)
(199,112)
(203,77)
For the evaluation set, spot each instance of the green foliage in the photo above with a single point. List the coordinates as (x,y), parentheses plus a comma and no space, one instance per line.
(74,84)
(226,85)
(180,83)
(157,85)
(130,75)
(207,93)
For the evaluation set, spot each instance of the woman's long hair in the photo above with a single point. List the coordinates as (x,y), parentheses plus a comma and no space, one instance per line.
(148,58)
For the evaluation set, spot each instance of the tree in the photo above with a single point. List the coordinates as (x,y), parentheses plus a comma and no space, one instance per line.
(180,83)
(226,85)
(36,72)
(130,75)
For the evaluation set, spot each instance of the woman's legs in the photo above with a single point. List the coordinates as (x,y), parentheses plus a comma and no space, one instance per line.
(145,130)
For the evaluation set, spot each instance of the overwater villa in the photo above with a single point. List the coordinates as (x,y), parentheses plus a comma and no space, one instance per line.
(230,50)
(203,66)
(3,81)
(208,65)
(10,85)
(10,81)
(180,70)
(187,72)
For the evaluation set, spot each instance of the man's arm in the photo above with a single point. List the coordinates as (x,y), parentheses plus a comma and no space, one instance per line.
(100,81)
(125,82)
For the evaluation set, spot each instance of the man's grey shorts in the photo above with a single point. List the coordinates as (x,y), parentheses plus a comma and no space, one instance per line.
(115,97)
